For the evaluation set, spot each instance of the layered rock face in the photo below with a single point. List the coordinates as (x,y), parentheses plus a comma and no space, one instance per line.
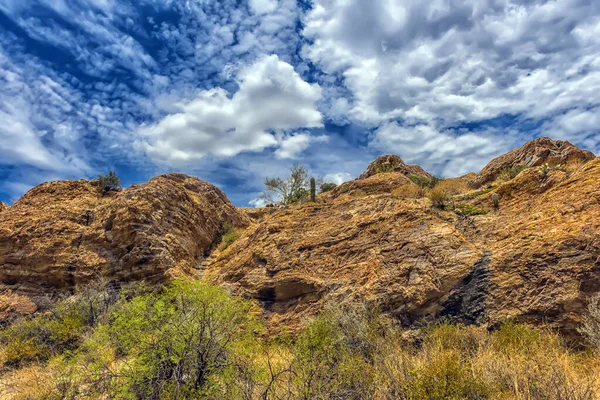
(3,206)
(534,153)
(537,259)
(392,163)
(61,234)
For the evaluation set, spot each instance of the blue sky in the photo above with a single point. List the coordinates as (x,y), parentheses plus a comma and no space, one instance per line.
(236,91)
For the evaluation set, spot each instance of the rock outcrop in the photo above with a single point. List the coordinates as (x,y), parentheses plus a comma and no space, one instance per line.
(534,153)
(393,163)
(535,260)
(61,234)
(3,206)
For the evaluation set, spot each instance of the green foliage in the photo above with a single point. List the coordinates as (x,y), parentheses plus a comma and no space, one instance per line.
(109,181)
(334,355)
(44,335)
(496,201)
(313,190)
(545,169)
(326,187)
(472,195)
(384,168)
(511,173)
(469,210)
(423,181)
(230,236)
(192,340)
(182,343)
(289,190)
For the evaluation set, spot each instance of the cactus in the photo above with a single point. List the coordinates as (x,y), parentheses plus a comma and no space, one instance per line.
(313,189)
(496,201)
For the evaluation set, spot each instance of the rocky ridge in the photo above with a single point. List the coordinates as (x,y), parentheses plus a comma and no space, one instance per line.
(536,259)
(65,233)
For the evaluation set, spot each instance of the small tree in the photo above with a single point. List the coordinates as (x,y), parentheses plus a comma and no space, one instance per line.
(109,181)
(327,186)
(290,189)
(313,190)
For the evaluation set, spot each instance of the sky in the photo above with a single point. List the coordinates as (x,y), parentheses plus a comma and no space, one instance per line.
(233,91)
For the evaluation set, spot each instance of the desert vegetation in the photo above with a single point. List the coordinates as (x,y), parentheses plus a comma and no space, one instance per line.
(193,340)
(108,182)
(296,187)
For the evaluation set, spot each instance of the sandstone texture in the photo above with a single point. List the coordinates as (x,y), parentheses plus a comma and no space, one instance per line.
(3,206)
(392,163)
(534,153)
(536,259)
(66,233)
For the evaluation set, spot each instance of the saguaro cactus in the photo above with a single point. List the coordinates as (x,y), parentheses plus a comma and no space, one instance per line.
(496,201)
(313,189)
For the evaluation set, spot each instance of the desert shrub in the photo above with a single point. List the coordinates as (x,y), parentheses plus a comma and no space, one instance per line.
(326,187)
(231,235)
(510,173)
(545,169)
(334,354)
(109,181)
(591,322)
(477,193)
(452,186)
(469,210)
(181,343)
(408,192)
(193,340)
(439,197)
(62,328)
(423,181)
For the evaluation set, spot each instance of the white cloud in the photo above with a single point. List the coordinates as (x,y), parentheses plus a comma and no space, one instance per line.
(444,152)
(257,202)
(35,129)
(338,178)
(292,145)
(271,97)
(577,125)
(445,61)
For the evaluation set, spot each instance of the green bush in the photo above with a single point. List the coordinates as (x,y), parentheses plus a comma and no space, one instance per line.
(511,173)
(181,343)
(469,210)
(423,181)
(230,236)
(326,187)
(109,181)
(62,328)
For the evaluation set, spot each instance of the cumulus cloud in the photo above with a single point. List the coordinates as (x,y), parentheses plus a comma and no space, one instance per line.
(338,178)
(271,98)
(453,60)
(448,152)
(291,146)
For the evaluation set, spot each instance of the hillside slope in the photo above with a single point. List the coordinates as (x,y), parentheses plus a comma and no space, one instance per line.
(536,259)
(65,233)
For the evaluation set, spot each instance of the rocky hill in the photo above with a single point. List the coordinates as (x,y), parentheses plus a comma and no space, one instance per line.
(65,233)
(535,259)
